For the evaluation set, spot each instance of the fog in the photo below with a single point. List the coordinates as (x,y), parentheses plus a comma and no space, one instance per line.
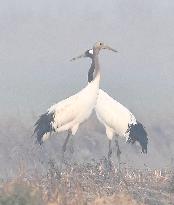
(37,39)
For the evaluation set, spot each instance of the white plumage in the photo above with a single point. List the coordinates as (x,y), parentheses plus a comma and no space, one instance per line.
(71,112)
(68,114)
(116,118)
(113,115)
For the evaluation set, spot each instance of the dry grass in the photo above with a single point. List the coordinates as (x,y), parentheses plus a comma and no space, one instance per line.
(89,184)
(20,193)
(121,198)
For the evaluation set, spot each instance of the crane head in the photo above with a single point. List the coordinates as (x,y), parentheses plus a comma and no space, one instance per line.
(99,45)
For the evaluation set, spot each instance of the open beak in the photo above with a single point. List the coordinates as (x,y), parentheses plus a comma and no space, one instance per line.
(109,48)
(81,56)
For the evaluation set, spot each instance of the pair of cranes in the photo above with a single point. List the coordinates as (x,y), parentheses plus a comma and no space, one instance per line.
(68,114)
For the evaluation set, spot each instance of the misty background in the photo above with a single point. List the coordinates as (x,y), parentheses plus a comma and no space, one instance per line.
(37,40)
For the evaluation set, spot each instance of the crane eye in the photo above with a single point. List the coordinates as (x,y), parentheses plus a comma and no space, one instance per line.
(100,44)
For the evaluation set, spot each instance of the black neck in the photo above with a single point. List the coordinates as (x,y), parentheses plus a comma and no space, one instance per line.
(95,68)
(91,72)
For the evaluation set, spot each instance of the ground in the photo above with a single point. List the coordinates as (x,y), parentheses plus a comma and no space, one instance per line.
(89,184)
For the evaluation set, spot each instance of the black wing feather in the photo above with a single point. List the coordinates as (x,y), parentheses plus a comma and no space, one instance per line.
(43,126)
(138,133)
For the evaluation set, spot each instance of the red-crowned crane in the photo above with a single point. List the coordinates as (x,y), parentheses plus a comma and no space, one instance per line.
(116,118)
(68,114)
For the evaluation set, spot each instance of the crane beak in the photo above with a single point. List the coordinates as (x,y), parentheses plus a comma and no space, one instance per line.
(109,48)
(80,56)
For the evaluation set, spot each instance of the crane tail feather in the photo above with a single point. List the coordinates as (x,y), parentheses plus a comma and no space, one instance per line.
(43,127)
(138,133)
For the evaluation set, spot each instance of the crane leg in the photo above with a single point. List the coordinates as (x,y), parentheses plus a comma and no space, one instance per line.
(64,146)
(109,154)
(120,175)
(118,154)
(66,141)
(110,150)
